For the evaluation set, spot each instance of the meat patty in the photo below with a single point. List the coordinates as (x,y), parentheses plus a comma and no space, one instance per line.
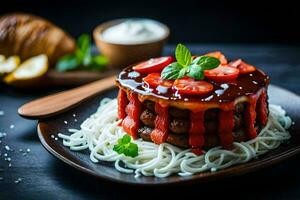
(145,132)
(178,140)
(149,105)
(179,113)
(148,118)
(179,126)
(211,114)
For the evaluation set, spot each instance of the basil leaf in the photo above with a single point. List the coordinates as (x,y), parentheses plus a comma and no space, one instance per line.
(100,60)
(125,147)
(207,62)
(83,43)
(171,72)
(66,63)
(125,139)
(131,150)
(196,72)
(183,55)
(119,148)
(83,52)
(183,72)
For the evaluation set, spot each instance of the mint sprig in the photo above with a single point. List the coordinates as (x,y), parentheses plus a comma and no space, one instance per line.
(185,66)
(82,59)
(126,147)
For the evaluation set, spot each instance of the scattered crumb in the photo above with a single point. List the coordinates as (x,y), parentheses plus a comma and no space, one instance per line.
(12,126)
(2,135)
(52,136)
(7,148)
(213,169)
(1,112)
(74,115)
(65,122)
(28,150)
(19,180)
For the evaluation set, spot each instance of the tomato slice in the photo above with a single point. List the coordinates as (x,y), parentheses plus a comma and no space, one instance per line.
(155,80)
(153,65)
(242,66)
(218,55)
(223,73)
(188,85)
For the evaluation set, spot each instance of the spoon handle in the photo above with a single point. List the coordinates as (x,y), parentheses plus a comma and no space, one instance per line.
(57,103)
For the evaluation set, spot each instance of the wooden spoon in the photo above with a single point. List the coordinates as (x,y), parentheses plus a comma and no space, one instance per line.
(57,103)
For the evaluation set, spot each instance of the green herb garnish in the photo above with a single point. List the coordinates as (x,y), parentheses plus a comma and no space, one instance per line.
(126,147)
(186,66)
(82,59)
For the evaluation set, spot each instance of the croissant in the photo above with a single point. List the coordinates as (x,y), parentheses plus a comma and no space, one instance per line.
(27,35)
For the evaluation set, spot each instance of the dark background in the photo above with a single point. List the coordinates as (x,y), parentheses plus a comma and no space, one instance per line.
(190,21)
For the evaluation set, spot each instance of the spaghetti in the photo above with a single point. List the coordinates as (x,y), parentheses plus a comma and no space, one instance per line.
(100,132)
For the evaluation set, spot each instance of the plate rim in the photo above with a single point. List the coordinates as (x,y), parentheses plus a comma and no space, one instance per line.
(235,170)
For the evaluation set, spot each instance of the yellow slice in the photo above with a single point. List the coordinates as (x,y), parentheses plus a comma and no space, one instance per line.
(8,65)
(29,72)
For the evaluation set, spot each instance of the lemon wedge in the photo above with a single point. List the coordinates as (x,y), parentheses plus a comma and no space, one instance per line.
(29,72)
(8,65)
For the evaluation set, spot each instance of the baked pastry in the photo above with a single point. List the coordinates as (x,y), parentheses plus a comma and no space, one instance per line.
(27,35)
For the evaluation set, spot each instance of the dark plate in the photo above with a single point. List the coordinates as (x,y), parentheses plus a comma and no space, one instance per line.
(80,160)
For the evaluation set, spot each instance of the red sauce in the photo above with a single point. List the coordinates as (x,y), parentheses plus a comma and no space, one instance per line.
(249,118)
(131,122)
(160,132)
(262,108)
(122,103)
(197,130)
(226,124)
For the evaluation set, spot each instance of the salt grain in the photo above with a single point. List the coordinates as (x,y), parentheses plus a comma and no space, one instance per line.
(74,115)
(24,154)
(65,122)
(7,148)
(9,165)
(75,120)
(5,155)
(18,181)
(52,136)
(1,178)
(28,150)
(8,159)
(2,135)
(12,126)
(1,112)
(20,150)
(56,138)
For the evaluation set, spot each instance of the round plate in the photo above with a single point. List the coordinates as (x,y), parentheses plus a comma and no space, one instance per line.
(50,127)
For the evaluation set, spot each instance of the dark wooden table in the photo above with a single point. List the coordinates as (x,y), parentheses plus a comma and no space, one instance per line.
(39,175)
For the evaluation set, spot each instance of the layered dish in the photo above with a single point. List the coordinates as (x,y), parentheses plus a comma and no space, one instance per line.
(228,105)
(183,115)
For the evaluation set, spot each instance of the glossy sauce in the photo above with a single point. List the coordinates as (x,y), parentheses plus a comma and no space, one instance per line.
(244,85)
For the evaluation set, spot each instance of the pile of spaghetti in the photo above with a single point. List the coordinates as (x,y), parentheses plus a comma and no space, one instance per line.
(100,132)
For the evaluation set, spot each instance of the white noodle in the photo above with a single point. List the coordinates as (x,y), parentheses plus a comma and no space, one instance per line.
(100,132)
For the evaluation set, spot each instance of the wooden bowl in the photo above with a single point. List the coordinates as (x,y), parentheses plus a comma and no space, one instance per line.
(122,55)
